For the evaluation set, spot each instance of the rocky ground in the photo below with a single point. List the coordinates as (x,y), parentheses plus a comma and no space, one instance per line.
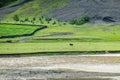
(92,67)
(97,9)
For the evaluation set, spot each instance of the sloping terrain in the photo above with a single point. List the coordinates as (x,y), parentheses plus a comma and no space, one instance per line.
(98,9)
(7,10)
(36,8)
(6,2)
(66,10)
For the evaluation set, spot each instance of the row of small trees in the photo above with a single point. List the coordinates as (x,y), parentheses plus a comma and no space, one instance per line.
(83,20)
(42,20)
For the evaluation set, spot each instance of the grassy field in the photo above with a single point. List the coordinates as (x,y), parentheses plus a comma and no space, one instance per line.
(6,30)
(86,32)
(58,37)
(6,48)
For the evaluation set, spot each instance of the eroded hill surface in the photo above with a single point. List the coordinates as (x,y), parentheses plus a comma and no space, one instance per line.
(66,10)
(98,9)
(8,10)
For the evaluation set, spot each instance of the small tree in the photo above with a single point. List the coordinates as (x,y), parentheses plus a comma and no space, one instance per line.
(16,18)
(41,22)
(84,19)
(80,21)
(26,19)
(48,19)
(64,23)
(54,22)
(21,21)
(32,22)
(73,21)
(40,19)
(34,19)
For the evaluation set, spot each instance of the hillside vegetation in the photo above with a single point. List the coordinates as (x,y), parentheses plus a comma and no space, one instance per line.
(36,9)
(68,26)
(6,2)
(60,37)
(6,30)
(67,10)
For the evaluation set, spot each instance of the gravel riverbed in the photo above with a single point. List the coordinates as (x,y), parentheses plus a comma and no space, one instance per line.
(76,67)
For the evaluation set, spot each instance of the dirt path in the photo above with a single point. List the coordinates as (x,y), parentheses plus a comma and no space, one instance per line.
(42,67)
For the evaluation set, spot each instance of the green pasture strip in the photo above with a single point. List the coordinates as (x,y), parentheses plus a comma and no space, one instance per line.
(66,33)
(62,40)
(104,32)
(16,48)
(53,40)
(67,39)
(7,30)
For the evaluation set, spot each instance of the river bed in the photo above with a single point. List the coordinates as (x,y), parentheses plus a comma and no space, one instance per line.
(75,67)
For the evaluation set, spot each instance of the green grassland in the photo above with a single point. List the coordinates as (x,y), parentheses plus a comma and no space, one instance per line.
(16,48)
(7,30)
(103,32)
(58,37)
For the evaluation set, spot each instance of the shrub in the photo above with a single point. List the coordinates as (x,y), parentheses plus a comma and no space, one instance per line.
(80,21)
(26,19)
(48,19)
(64,23)
(21,21)
(54,22)
(40,19)
(16,18)
(34,19)
(9,41)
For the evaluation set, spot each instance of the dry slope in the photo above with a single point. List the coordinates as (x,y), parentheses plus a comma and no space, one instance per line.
(98,9)
(107,10)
